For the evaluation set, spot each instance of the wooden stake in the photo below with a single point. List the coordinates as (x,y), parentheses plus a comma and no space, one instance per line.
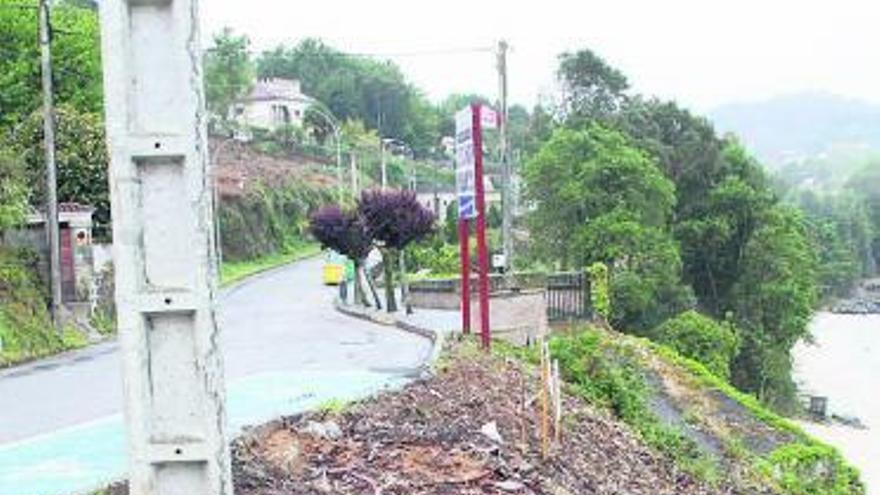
(523,434)
(545,402)
(557,403)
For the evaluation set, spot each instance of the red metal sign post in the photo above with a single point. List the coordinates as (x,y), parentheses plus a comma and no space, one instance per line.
(464,240)
(482,251)
(471,194)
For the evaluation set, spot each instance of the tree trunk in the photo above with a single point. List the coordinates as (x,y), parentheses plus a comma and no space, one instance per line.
(388,265)
(404,285)
(360,297)
(372,285)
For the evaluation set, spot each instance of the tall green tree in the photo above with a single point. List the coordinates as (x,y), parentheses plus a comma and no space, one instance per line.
(75,56)
(229,75)
(356,87)
(13,190)
(580,175)
(645,268)
(839,227)
(80,154)
(773,302)
(866,184)
(591,89)
(598,199)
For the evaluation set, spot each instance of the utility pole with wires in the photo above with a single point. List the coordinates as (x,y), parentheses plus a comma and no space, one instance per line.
(164,249)
(51,175)
(506,172)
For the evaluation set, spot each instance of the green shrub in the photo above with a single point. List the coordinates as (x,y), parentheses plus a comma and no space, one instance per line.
(801,467)
(600,294)
(609,371)
(611,375)
(26,331)
(699,337)
(268,220)
(812,469)
(435,256)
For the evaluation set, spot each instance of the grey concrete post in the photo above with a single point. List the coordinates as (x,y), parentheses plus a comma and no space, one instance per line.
(52,232)
(164,249)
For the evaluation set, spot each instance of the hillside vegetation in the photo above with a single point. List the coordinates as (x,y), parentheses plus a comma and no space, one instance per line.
(26,330)
(684,219)
(707,427)
(801,125)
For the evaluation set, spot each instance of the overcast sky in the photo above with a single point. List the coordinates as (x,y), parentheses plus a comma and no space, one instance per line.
(701,53)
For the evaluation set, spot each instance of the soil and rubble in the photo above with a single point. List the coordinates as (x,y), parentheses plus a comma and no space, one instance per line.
(470,429)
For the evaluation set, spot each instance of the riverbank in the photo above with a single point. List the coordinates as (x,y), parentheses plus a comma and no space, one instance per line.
(864,300)
(844,365)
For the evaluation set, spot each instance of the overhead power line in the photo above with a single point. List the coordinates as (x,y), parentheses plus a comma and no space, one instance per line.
(414,53)
(425,53)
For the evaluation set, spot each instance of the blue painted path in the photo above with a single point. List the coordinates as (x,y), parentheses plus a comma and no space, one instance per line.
(285,350)
(87,456)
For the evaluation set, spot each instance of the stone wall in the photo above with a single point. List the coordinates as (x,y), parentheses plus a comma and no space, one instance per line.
(517,317)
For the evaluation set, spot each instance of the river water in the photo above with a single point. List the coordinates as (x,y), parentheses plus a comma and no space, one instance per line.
(844,365)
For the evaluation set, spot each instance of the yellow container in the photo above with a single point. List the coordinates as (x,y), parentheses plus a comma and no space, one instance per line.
(333,273)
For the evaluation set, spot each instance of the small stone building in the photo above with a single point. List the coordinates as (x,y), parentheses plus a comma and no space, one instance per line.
(75,224)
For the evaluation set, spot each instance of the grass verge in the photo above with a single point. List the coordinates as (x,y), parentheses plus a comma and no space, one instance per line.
(26,330)
(235,271)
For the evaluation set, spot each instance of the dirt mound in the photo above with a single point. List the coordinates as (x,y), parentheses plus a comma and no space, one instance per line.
(240,167)
(436,436)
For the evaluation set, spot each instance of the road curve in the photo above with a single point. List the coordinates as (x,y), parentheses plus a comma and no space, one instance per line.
(274,323)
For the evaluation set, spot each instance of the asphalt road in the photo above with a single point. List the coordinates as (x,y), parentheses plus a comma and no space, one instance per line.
(277,322)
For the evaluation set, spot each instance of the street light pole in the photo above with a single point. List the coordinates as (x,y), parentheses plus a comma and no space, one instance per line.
(354,177)
(383,164)
(506,172)
(339,175)
(334,124)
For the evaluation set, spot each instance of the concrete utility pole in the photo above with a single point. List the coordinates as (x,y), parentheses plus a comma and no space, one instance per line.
(164,250)
(51,176)
(506,172)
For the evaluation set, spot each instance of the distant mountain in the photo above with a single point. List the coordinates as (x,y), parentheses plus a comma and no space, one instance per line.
(797,127)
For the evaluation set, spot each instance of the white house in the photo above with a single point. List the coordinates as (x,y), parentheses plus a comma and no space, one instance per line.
(272,103)
(437,201)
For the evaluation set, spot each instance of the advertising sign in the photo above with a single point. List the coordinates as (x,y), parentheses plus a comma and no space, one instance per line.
(465,185)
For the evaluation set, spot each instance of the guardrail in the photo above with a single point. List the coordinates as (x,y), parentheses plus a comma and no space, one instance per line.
(567,293)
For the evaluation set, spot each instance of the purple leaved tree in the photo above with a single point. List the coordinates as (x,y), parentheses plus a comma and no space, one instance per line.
(394,219)
(345,232)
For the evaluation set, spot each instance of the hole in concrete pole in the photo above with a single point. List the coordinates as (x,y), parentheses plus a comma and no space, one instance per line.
(157,145)
(167,300)
(178,451)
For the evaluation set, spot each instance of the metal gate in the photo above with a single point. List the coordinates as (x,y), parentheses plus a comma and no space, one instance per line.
(568,297)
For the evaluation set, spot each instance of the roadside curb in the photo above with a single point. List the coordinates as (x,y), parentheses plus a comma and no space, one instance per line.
(391,320)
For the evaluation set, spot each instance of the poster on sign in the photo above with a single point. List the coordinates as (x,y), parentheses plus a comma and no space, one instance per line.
(488,118)
(465,185)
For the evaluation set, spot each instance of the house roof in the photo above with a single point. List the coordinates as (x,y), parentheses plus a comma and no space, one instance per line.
(67,212)
(74,208)
(275,89)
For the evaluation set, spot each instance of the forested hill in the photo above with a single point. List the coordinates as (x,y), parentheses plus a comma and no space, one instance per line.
(803,125)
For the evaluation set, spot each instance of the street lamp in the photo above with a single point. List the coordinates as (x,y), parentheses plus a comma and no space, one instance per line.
(399,144)
(315,106)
